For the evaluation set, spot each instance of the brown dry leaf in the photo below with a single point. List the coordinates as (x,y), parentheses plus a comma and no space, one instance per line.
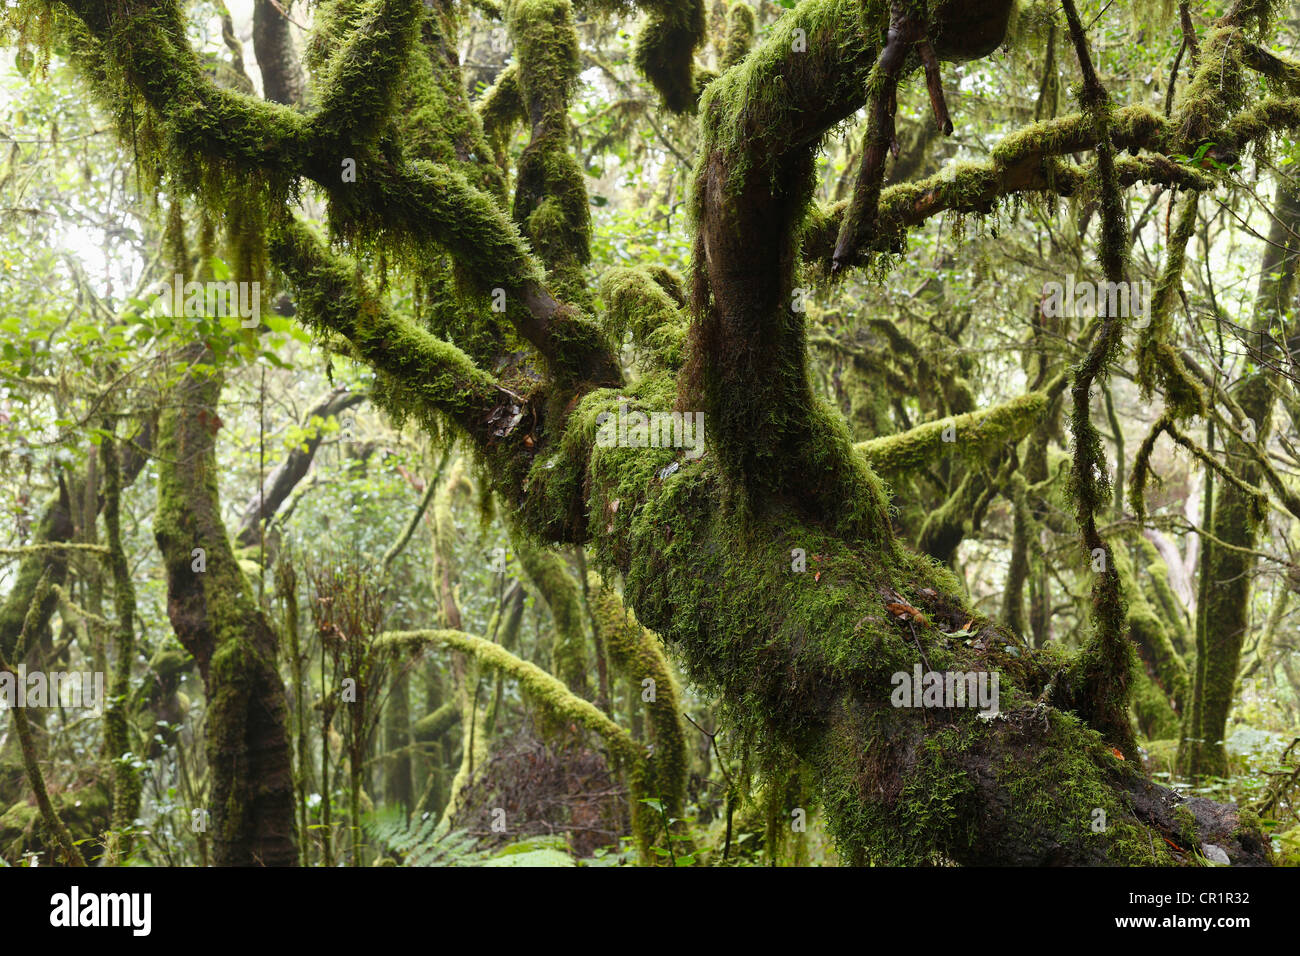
(903,609)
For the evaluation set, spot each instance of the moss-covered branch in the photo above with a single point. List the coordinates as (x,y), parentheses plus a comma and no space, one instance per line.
(974,435)
(141,47)
(547,571)
(665,49)
(739,36)
(550,195)
(53,531)
(421,372)
(547,692)
(362,78)
(636,655)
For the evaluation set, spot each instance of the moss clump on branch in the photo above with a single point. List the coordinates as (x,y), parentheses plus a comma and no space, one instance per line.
(1158,362)
(637,303)
(804,664)
(419,372)
(665,49)
(740,34)
(436,122)
(360,82)
(501,107)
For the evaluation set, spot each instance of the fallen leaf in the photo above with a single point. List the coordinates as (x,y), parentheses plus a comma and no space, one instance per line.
(904,610)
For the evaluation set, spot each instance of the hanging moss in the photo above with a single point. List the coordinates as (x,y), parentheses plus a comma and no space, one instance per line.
(501,107)
(665,49)
(221,144)
(360,80)
(1158,362)
(420,373)
(435,121)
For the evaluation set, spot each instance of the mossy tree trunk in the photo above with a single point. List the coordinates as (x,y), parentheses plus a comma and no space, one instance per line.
(1228,564)
(217,619)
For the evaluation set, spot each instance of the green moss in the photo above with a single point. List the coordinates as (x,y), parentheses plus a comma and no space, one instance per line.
(1159,364)
(500,109)
(636,655)
(127,784)
(1161,682)
(85,811)
(637,303)
(217,619)
(419,373)
(55,525)
(665,49)
(435,121)
(739,34)
(559,590)
(432,726)
(974,434)
(359,85)
(550,195)
(1063,791)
